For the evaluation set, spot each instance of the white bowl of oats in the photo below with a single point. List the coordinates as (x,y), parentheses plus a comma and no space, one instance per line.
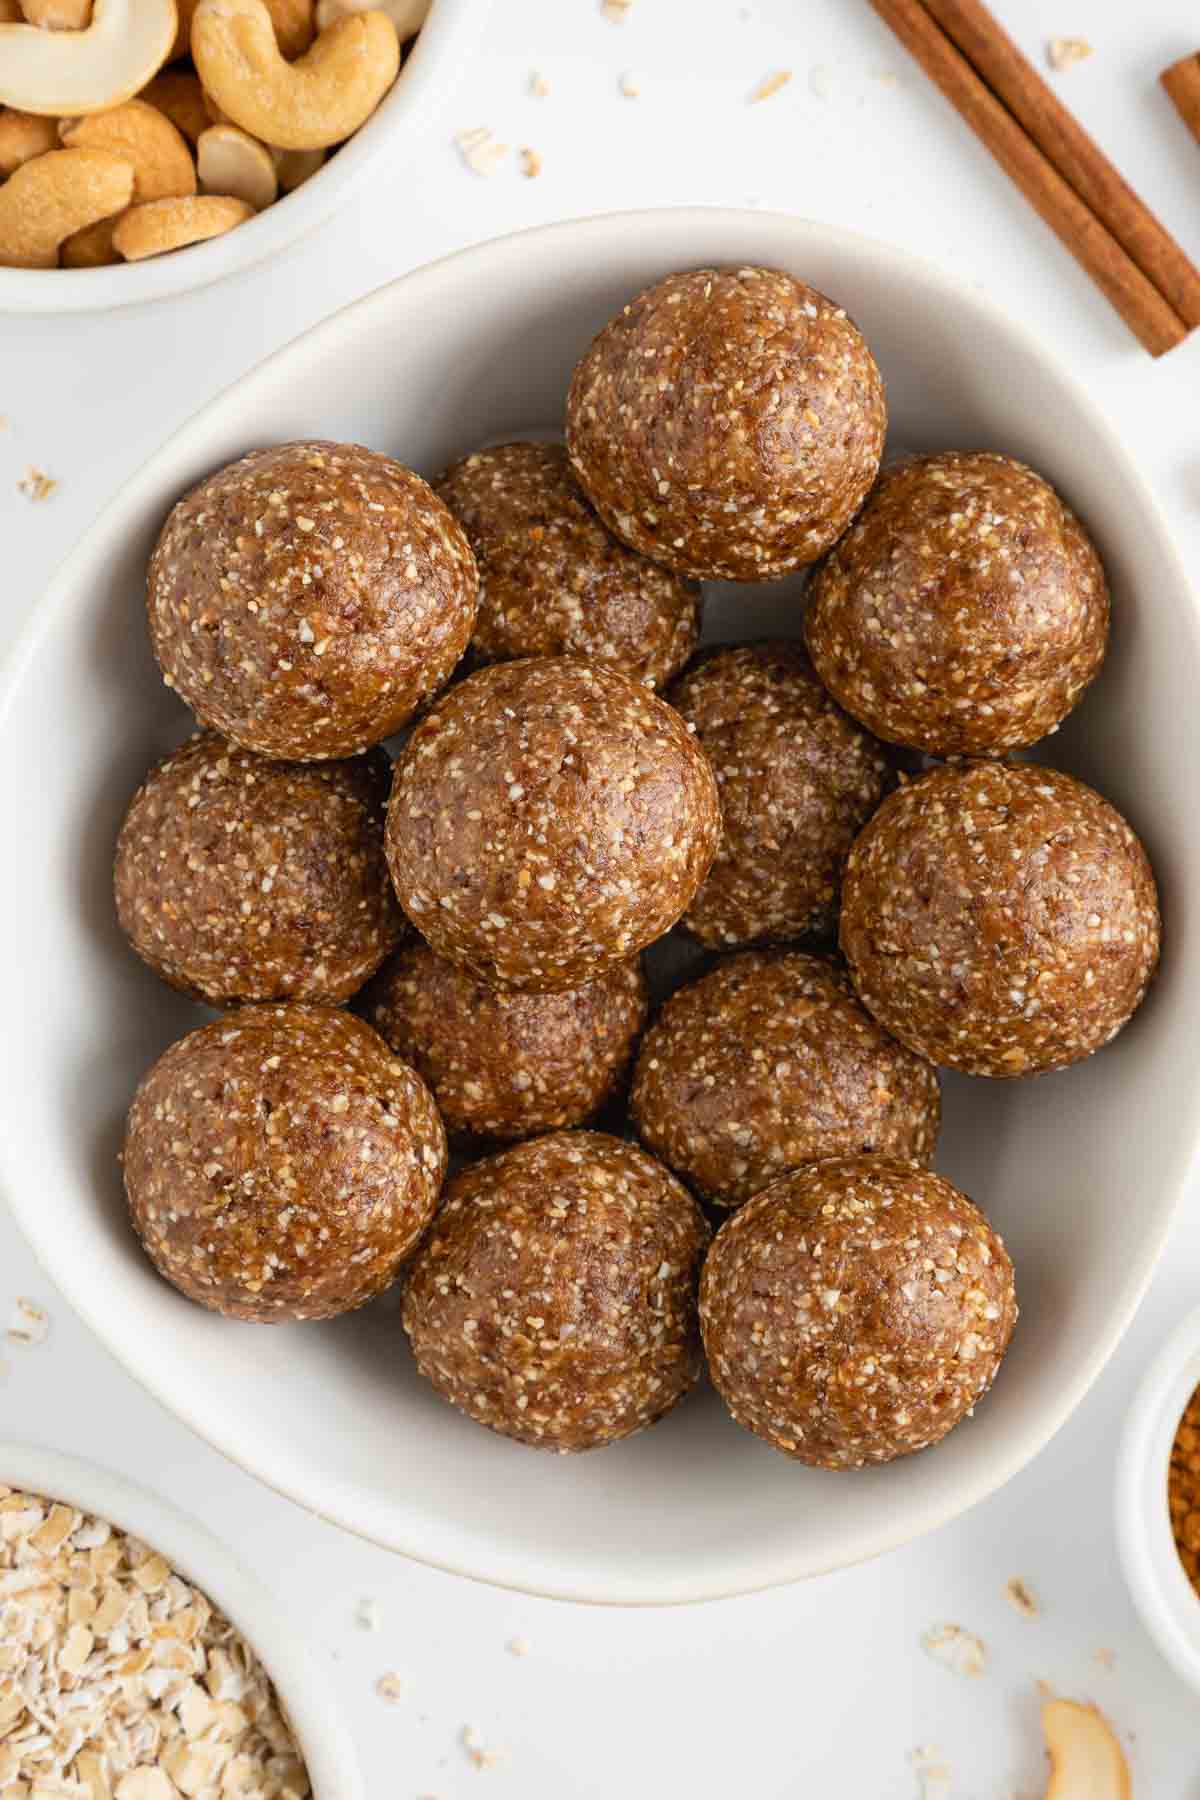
(139,1659)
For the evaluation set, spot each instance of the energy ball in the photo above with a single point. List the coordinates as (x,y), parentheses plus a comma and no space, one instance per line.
(965,611)
(238,878)
(798,779)
(548,819)
(856,1311)
(553,581)
(305,600)
(281,1163)
(728,422)
(508,1065)
(1000,918)
(768,1063)
(555,1299)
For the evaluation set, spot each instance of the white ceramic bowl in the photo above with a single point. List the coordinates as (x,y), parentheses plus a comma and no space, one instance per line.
(394,133)
(1162,1593)
(326,1744)
(1079,1170)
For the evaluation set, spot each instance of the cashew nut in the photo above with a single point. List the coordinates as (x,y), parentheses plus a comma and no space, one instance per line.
(295,167)
(91,248)
(10,12)
(54,195)
(71,72)
(407,16)
(229,161)
(160,225)
(306,105)
(1086,1761)
(180,96)
(157,153)
(58,15)
(22,137)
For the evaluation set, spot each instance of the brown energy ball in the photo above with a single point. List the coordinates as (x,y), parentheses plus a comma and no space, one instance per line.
(856,1311)
(798,779)
(553,581)
(1000,918)
(306,599)
(767,1063)
(964,611)
(728,422)
(548,819)
(243,879)
(555,1299)
(281,1162)
(507,1065)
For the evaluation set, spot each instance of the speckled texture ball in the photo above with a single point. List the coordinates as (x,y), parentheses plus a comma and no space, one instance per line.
(548,819)
(798,779)
(238,878)
(728,422)
(1000,918)
(965,611)
(553,581)
(280,1163)
(555,1298)
(508,1064)
(305,600)
(856,1311)
(768,1062)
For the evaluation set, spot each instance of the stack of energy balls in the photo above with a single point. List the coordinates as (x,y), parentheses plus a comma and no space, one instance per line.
(484,901)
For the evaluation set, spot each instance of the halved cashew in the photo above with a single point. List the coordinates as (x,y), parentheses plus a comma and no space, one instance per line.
(179,94)
(58,15)
(52,196)
(71,72)
(156,152)
(1086,1761)
(407,16)
(306,105)
(170,224)
(230,161)
(91,248)
(295,167)
(22,137)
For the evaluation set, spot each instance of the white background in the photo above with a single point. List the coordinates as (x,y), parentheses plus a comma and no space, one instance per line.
(815,1690)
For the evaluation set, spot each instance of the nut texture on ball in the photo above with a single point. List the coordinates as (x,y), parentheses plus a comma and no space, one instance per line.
(280,1163)
(554,1300)
(856,1311)
(728,422)
(1000,918)
(305,600)
(238,878)
(549,818)
(965,611)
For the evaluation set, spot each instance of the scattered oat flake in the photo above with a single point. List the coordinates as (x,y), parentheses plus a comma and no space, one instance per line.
(1062,52)
(531,162)
(933,1775)
(886,77)
(1022,1597)
(390,1687)
(819,81)
(956,1649)
(35,484)
(518,1646)
(28,1322)
(630,86)
(770,84)
(616,11)
(368,1614)
(538,85)
(481,150)
(1106,1658)
(482,1757)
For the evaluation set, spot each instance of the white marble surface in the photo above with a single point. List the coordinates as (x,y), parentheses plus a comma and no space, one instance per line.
(814,1690)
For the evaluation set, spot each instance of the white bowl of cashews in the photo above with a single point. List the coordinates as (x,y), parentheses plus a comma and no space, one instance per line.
(151,147)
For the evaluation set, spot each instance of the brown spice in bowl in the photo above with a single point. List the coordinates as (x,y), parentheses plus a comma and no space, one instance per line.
(1183,1489)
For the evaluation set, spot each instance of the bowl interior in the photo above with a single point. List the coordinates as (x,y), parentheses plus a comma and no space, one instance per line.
(1079,1170)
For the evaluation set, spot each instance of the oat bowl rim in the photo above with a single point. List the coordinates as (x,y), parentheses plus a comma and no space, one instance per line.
(1080,1171)
(217,1571)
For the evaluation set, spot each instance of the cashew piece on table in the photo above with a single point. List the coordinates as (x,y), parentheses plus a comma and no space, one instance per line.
(66,73)
(178,94)
(407,16)
(58,15)
(22,137)
(1086,1761)
(54,195)
(309,104)
(230,161)
(161,225)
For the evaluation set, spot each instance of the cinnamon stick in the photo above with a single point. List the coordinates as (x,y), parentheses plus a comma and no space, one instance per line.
(1182,82)
(1152,319)
(1076,156)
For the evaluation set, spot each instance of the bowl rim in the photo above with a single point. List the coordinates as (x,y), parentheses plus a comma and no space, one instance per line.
(571,238)
(192,1549)
(432,70)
